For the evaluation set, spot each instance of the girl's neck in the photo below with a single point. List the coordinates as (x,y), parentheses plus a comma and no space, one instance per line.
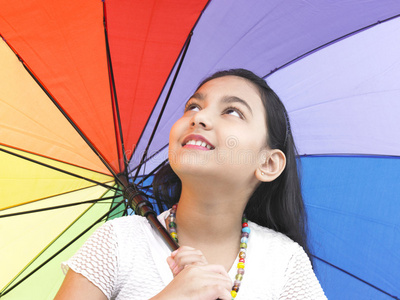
(209,216)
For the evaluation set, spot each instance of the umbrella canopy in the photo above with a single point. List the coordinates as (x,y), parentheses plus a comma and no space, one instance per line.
(85,86)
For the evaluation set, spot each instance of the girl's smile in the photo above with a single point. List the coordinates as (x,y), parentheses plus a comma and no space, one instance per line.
(196,141)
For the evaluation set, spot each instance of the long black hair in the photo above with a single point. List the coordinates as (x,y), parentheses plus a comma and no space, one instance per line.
(277,205)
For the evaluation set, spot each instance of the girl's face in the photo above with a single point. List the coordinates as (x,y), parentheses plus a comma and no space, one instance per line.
(222,133)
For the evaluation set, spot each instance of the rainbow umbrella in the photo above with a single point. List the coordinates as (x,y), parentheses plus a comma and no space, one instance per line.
(90,89)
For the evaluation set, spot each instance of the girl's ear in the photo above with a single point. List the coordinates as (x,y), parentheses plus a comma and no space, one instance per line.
(272,164)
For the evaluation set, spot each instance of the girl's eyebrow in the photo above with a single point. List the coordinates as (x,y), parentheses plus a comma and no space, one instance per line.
(225,99)
(197,96)
(234,99)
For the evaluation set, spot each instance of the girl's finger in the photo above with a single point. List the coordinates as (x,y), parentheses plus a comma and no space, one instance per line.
(181,249)
(183,257)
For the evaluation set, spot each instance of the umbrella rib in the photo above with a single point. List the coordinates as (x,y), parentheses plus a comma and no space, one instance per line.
(328,43)
(152,172)
(118,128)
(51,196)
(62,249)
(68,118)
(187,43)
(60,170)
(58,206)
(148,158)
(147,187)
(354,276)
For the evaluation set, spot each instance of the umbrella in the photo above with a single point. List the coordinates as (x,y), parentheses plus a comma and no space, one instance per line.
(89,91)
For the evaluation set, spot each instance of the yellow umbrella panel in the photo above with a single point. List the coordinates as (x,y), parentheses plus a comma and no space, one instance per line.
(64,198)
(73,219)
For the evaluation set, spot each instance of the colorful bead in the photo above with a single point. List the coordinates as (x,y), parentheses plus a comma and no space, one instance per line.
(242,254)
(240,271)
(240,265)
(233,294)
(241,260)
(244,239)
(243,245)
(237,283)
(245,225)
(245,234)
(172,225)
(239,277)
(246,229)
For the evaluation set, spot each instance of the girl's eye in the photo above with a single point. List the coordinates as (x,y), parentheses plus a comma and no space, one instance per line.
(234,112)
(192,106)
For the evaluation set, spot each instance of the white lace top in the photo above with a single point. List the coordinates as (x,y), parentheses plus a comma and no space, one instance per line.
(126,259)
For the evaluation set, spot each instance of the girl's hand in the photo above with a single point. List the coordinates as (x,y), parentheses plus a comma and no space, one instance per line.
(183,257)
(195,281)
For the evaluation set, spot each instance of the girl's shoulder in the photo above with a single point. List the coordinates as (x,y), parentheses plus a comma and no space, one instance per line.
(269,239)
(268,233)
(128,225)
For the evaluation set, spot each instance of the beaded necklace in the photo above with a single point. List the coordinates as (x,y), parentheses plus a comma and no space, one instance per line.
(242,252)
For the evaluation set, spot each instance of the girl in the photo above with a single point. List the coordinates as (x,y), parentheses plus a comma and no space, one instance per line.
(240,221)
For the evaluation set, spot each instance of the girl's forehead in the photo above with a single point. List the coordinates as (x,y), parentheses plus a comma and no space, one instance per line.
(228,80)
(228,85)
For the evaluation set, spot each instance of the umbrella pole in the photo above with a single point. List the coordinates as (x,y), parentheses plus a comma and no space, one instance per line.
(139,203)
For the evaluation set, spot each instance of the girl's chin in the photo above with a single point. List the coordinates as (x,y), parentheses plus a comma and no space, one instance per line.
(191,160)
(196,171)
(190,169)
(209,173)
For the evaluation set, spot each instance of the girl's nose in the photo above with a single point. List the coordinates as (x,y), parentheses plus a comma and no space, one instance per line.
(201,119)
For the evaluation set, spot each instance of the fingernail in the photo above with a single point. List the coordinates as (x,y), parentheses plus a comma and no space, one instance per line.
(175,270)
(171,262)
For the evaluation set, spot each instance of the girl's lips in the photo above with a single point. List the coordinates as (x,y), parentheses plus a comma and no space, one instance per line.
(198,142)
